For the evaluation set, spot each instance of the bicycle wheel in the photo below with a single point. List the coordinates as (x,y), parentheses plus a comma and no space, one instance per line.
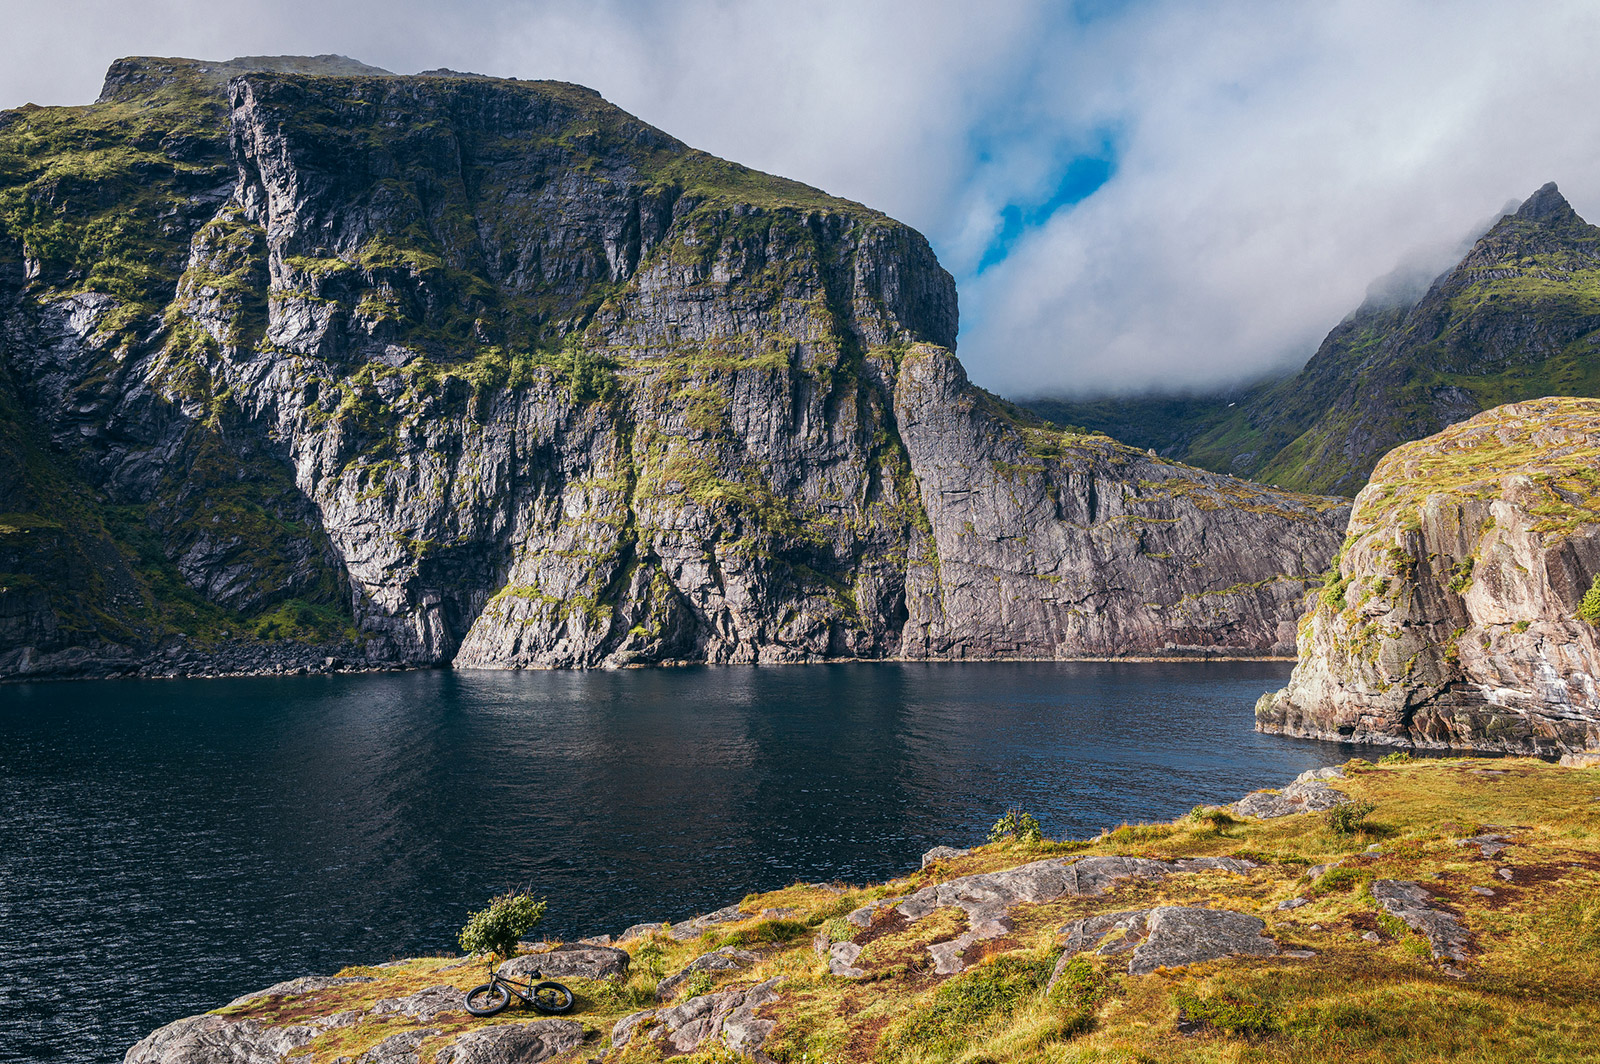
(552,997)
(486,1000)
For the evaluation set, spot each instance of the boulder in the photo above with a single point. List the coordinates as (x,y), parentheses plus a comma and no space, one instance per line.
(842,959)
(1301,796)
(1488,845)
(1581,759)
(942,853)
(571,961)
(402,1048)
(701,924)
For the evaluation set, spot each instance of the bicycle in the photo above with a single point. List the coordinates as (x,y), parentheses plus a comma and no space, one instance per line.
(491,997)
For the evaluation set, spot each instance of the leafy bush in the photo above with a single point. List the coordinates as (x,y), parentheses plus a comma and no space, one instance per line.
(1233,1011)
(697,984)
(1349,818)
(1018,825)
(497,927)
(1589,608)
(1398,757)
(651,958)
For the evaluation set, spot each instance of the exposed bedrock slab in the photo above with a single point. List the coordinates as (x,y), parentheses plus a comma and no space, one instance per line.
(728,1015)
(513,1043)
(1421,912)
(214,1039)
(988,897)
(1168,936)
(726,959)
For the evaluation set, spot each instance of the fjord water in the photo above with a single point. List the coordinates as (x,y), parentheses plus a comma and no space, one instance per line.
(168,845)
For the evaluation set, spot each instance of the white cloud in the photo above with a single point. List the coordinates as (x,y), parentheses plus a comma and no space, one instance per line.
(1274,158)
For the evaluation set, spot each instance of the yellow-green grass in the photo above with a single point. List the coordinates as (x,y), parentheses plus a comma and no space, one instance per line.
(1530,991)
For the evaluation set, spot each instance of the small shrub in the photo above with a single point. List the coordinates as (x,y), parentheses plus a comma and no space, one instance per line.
(1589,608)
(497,927)
(1349,818)
(1234,1012)
(1341,878)
(697,984)
(651,958)
(1398,757)
(1214,816)
(840,930)
(1017,825)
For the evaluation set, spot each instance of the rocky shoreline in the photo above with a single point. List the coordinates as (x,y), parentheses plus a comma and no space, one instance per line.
(1103,913)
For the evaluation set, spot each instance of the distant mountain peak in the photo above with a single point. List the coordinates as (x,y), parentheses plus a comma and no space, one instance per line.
(1547,204)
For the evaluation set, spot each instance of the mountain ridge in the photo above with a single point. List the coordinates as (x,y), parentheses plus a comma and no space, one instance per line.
(452,369)
(1517,318)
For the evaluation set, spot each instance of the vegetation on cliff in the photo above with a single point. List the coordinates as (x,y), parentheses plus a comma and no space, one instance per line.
(1496,863)
(1454,614)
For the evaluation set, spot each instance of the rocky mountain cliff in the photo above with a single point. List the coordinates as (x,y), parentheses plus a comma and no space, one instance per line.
(305,364)
(1464,603)
(1517,318)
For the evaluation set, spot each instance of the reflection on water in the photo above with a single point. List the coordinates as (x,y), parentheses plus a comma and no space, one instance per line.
(167,845)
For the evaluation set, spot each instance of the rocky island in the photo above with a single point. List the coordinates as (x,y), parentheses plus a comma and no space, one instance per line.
(1404,910)
(1461,609)
(304,365)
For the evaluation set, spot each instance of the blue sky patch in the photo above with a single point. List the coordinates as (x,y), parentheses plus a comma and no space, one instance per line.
(1080,179)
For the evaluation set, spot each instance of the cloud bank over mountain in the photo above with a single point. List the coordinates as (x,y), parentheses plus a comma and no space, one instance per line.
(1132,195)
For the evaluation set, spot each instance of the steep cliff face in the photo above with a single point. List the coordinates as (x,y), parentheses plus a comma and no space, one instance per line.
(1517,318)
(449,368)
(1457,613)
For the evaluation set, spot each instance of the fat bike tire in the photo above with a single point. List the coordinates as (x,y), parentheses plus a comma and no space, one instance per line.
(486,1000)
(552,998)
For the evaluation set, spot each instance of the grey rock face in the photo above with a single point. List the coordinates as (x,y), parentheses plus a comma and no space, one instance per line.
(842,960)
(942,853)
(684,931)
(1310,796)
(424,1005)
(599,415)
(513,1043)
(1167,937)
(223,1040)
(1488,845)
(988,897)
(1413,904)
(402,1048)
(728,1015)
(571,960)
(726,959)
(1456,620)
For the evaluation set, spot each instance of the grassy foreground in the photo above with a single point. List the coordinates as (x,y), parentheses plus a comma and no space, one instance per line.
(1530,989)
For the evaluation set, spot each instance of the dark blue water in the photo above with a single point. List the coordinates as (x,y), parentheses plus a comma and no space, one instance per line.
(167,845)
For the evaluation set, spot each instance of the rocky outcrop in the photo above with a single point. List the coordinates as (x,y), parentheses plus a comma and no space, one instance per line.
(1456,617)
(730,1017)
(1309,793)
(726,959)
(988,897)
(1168,936)
(452,369)
(1411,902)
(570,960)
